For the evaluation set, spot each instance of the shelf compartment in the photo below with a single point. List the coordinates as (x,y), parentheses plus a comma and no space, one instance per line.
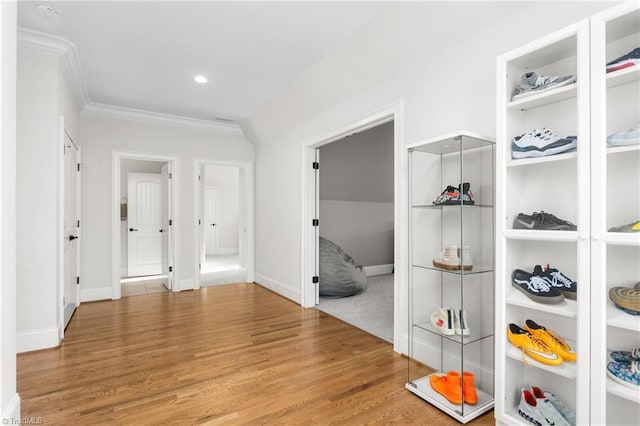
(617,318)
(565,156)
(540,235)
(422,388)
(624,76)
(566,369)
(476,270)
(622,238)
(615,388)
(464,340)
(568,308)
(545,98)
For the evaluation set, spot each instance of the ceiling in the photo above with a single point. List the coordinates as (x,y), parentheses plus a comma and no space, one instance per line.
(144,55)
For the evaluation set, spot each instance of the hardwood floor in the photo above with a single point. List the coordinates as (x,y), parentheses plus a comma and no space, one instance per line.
(233,354)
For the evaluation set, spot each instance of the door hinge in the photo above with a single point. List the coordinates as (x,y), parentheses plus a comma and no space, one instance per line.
(198,178)
(315,279)
(170,222)
(78,223)
(77,280)
(170,268)
(315,222)
(200,266)
(199,222)
(316,165)
(78,166)
(170,175)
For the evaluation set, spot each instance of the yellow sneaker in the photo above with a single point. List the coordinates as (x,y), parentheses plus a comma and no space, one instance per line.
(532,346)
(551,339)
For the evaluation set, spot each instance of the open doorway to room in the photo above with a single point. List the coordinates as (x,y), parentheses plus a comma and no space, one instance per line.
(222,223)
(356,229)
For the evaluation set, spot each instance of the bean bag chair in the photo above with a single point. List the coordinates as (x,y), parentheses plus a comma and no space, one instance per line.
(339,275)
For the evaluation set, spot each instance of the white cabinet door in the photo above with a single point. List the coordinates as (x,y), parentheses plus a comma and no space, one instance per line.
(144,240)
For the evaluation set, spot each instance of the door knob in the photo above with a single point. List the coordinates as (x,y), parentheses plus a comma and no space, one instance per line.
(213,224)
(132,229)
(162,230)
(73,237)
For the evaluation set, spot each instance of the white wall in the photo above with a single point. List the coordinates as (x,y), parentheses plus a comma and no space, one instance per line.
(227,180)
(9,399)
(101,135)
(356,195)
(42,96)
(438,58)
(127,166)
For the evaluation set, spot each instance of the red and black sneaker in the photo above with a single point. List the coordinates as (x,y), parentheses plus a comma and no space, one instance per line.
(452,196)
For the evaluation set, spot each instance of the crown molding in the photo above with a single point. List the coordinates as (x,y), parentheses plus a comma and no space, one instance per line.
(63,48)
(144,116)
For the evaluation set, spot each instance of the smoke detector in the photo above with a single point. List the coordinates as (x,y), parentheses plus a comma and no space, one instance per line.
(46,9)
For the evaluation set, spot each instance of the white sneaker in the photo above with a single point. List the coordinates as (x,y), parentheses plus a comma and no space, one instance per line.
(539,411)
(464,253)
(460,322)
(540,143)
(448,259)
(565,411)
(443,320)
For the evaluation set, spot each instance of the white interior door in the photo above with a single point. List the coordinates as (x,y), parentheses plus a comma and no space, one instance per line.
(144,240)
(71,216)
(165,221)
(210,220)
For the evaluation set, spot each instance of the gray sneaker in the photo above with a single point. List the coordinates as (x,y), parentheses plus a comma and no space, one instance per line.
(628,227)
(532,83)
(542,220)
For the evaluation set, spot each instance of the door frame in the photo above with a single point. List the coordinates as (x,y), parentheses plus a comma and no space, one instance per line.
(246,239)
(116,159)
(64,130)
(202,229)
(309,249)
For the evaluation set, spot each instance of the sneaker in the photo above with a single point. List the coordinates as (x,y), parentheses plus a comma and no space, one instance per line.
(625,138)
(629,227)
(531,83)
(448,259)
(539,411)
(460,322)
(540,143)
(452,196)
(626,356)
(629,60)
(542,221)
(564,411)
(443,320)
(532,346)
(558,280)
(556,343)
(627,374)
(535,287)
(464,253)
(626,299)
(448,386)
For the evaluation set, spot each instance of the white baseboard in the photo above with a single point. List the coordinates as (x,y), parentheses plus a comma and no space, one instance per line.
(378,269)
(93,294)
(11,412)
(34,340)
(227,251)
(281,289)
(187,284)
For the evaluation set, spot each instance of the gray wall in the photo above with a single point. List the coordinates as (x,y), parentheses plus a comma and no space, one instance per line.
(356,195)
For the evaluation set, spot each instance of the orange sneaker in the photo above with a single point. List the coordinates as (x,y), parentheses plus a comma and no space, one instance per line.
(551,339)
(468,389)
(448,386)
(532,346)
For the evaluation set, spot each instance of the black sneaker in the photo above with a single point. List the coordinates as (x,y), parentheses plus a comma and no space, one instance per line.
(558,280)
(535,287)
(543,221)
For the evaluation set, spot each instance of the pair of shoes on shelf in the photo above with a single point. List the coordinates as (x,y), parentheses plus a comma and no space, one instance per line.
(625,138)
(545,285)
(531,83)
(628,227)
(625,367)
(542,221)
(541,143)
(452,196)
(450,321)
(453,258)
(544,408)
(629,60)
(540,343)
(455,388)
(626,299)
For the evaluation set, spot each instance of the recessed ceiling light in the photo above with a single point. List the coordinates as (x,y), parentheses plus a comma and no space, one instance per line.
(46,9)
(201,79)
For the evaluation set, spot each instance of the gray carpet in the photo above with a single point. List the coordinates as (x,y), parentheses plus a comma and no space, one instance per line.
(371,310)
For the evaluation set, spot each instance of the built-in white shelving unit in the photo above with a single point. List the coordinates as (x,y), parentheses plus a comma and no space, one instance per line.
(596,188)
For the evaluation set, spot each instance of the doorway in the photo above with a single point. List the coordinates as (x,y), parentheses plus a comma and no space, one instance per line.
(224,222)
(71,227)
(144,229)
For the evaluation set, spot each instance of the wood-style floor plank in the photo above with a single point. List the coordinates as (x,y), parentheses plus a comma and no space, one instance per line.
(233,354)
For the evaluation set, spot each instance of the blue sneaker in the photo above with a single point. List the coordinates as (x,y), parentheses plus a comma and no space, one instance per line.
(626,357)
(626,374)
(625,138)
